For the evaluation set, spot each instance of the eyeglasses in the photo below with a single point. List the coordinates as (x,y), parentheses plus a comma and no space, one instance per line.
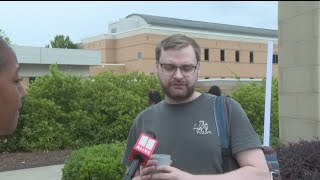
(170,69)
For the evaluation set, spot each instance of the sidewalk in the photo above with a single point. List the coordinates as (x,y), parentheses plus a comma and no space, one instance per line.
(40,173)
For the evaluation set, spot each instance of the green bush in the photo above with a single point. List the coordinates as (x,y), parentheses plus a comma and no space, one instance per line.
(252,99)
(112,108)
(41,129)
(100,162)
(45,115)
(64,89)
(62,111)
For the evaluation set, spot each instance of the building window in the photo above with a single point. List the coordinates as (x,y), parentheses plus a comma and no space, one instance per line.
(139,55)
(275,59)
(206,78)
(221,55)
(206,54)
(237,56)
(114,30)
(251,56)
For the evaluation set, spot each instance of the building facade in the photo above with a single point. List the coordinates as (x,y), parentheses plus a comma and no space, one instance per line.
(35,61)
(227,51)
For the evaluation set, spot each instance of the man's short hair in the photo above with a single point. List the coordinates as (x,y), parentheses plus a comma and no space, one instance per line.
(177,42)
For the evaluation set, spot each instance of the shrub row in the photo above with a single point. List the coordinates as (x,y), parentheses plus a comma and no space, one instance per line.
(299,161)
(252,99)
(64,111)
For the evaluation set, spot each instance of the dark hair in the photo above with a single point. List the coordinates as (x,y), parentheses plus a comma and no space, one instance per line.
(177,42)
(215,90)
(154,96)
(3,47)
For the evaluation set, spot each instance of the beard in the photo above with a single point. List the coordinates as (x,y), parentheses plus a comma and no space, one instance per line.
(181,93)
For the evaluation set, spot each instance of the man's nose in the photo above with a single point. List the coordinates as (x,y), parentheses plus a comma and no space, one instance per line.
(178,74)
(22,91)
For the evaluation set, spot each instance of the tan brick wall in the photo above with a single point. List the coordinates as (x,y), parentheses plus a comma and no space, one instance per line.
(107,47)
(125,51)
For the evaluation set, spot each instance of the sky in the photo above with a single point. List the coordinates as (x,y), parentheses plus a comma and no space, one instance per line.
(36,23)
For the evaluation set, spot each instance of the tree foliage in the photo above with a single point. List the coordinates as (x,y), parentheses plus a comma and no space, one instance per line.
(252,99)
(61,41)
(4,37)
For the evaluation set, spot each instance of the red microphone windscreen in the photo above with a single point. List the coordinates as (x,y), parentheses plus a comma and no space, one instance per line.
(144,147)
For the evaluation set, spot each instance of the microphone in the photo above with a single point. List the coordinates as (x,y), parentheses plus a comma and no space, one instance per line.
(141,152)
(151,134)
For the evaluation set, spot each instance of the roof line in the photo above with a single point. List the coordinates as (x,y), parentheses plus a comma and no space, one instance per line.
(167,21)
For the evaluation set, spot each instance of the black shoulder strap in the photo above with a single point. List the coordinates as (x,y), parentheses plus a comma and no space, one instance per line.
(222,123)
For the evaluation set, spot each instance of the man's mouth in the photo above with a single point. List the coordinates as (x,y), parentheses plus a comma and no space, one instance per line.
(178,86)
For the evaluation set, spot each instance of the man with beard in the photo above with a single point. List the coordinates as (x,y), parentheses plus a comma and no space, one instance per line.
(185,128)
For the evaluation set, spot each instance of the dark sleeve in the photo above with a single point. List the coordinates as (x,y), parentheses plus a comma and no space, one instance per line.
(131,140)
(243,136)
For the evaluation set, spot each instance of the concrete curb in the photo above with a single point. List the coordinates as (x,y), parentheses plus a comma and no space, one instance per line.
(39,173)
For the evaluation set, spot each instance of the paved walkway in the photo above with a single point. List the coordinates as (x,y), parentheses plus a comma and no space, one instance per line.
(40,173)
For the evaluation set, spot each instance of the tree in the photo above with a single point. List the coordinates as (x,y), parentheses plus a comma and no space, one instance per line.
(61,41)
(4,37)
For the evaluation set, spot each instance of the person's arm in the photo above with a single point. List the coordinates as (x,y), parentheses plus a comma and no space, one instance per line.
(252,166)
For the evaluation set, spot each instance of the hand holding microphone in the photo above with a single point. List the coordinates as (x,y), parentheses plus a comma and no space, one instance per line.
(153,164)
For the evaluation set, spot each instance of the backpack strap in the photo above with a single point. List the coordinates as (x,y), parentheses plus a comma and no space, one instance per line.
(222,123)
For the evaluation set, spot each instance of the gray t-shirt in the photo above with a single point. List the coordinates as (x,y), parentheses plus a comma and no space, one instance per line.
(188,133)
